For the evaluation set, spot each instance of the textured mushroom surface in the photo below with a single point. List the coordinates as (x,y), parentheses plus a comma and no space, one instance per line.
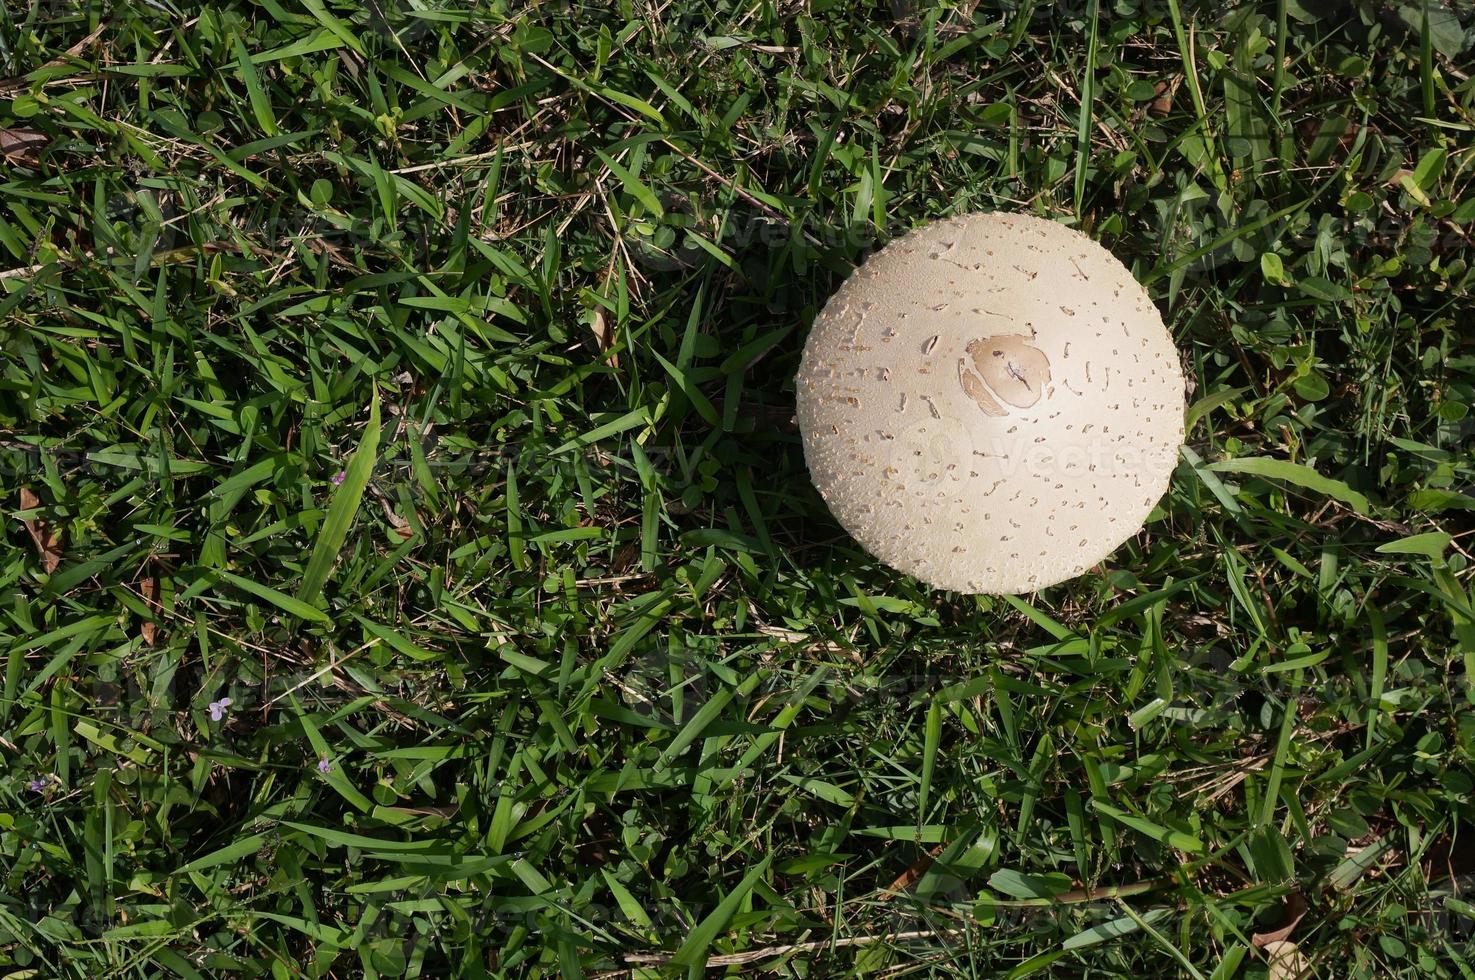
(991,403)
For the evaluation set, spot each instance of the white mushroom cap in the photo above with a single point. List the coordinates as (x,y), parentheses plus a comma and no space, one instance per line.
(991,403)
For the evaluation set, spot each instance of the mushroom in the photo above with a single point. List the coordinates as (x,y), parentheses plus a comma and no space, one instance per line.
(991,404)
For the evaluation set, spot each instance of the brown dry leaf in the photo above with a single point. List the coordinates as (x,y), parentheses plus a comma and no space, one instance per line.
(604,334)
(624,558)
(1286,962)
(1162,102)
(1294,912)
(47,539)
(400,525)
(150,589)
(909,877)
(21,145)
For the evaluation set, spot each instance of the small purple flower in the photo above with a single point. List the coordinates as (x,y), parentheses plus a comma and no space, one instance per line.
(325,765)
(38,785)
(339,477)
(217,708)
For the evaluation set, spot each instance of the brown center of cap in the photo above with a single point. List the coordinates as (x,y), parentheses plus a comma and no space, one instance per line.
(1007,369)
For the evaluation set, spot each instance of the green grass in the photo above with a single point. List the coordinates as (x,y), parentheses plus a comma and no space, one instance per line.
(572,674)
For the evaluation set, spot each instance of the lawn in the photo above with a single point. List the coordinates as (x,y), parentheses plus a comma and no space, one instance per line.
(410,566)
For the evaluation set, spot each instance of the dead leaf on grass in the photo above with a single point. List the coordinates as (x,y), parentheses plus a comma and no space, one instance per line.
(21,145)
(604,335)
(1286,962)
(149,588)
(909,877)
(46,538)
(1294,912)
(1163,92)
(399,525)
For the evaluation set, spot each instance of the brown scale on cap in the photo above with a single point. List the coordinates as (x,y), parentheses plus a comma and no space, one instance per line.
(1008,368)
(923,449)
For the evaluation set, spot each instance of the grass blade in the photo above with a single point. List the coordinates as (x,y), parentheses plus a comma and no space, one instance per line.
(931,739)
(1298,473)
(281,600)
(260,101)
(342,510)
(1088,93)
